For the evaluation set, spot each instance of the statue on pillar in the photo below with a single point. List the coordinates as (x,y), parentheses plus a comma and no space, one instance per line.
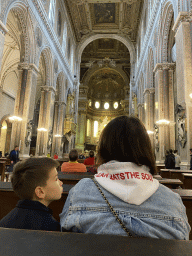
(28,133)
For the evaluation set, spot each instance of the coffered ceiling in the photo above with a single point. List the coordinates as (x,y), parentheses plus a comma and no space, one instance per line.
(101,16)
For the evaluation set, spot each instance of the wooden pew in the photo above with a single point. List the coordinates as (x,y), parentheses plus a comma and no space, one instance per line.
(171,183)
(173,173)
(37,243)
(160,166)
(73,178)
(187,180)
(9,199)
(2,170)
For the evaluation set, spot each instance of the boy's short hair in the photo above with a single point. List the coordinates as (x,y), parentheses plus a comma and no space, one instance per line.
(91,153)
(175,151)
(30,173)
(73,155)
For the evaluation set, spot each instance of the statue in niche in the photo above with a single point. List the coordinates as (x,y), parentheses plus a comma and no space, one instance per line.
(49,142)
(181,126)
(29,133)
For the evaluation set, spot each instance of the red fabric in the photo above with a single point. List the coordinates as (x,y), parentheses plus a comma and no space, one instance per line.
(89,161)
(73,167)
(55,157)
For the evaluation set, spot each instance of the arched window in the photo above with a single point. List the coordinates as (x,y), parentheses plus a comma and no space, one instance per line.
(52,11)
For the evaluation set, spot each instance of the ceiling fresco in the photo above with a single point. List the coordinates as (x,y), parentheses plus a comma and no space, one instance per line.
(104,13)
(106,84)
(115,16)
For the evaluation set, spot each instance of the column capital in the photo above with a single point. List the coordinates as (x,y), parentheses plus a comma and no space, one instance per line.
(182,17)
(47,88)
(164,66)
(60,103)
(140,105)
(28,66)
(149,90)
(3,28)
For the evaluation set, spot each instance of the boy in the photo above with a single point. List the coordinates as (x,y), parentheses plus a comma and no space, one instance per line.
(36,182)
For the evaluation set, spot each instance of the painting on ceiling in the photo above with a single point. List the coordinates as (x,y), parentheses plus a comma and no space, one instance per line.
(106,43)
(104,13)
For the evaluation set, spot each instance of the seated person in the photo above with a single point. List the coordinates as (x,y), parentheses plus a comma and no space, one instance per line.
(133,197)
(36,182)
(73,165)
(91,159)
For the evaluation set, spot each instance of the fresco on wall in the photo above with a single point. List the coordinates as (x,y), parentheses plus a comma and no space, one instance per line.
(106,84)
(104,13)
(106,43)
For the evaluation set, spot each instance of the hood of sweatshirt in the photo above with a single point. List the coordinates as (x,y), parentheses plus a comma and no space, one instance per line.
(131,183)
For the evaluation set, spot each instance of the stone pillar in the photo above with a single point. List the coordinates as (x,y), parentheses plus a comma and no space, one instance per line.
(58,127)
(141,113)
(24,108)
(82,117)
(164,105)
(44,139)
(183,38)
(149,112)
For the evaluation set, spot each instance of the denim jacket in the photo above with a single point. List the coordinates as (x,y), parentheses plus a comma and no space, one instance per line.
(162,215)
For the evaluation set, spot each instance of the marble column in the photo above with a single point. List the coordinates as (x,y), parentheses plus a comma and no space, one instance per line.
(141,113)
(45,120)
(183,39)
(164,107)
(58,126)
(24,107)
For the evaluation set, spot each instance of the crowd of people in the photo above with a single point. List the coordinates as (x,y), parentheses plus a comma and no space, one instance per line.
(123,198)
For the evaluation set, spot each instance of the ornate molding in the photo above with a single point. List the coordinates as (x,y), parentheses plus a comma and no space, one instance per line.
(60,103)
(28,66)
(140,105)
(48,88)
(182,17)
(164,66)
(149,90)
(3,28)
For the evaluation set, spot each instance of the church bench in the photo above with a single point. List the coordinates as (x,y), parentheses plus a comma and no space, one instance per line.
(36,243)
(73,178)
(171,183)
(9,199)
(187,180)
(2,169)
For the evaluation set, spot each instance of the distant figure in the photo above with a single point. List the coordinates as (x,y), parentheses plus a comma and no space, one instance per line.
(55,156)
(177,160)
(91,159)
(191,159)
(81,156)
(14,155)
(170,160)
(73,165)
(35,181)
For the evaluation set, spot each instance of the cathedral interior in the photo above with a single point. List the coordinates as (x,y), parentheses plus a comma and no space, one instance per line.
(68,67)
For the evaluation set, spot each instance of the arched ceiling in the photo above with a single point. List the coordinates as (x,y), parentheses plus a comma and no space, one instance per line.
(106,84)
(102,16)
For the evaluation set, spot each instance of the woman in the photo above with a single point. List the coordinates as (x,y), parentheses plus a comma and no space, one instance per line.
(145,207)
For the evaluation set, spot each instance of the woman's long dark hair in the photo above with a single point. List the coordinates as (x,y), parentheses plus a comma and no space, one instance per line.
(125,139)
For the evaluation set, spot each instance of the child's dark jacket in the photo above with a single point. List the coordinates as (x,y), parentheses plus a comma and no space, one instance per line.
(32,215)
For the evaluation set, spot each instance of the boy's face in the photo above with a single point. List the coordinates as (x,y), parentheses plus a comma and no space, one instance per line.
(53,190)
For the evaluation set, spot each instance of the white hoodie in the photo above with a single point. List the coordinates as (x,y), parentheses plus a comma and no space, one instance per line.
(132,183)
